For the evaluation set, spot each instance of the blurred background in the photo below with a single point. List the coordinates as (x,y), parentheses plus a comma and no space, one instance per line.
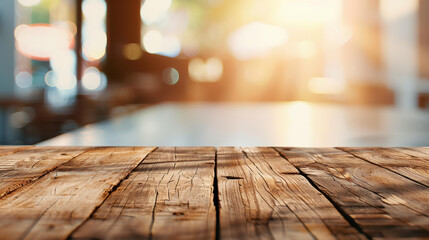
(68,63)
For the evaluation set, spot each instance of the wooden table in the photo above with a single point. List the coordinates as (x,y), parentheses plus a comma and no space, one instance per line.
(213,193)
(298,124)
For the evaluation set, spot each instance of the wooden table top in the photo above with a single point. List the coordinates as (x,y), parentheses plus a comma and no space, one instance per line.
(213,193)
(298,124)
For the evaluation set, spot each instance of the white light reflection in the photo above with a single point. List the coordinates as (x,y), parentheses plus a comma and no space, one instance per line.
(298,124)
(94,10)
(94,39)
(29,3)
(24,80)
(94,46)
(51,79)
(210,71)
(153,11)
(94,80)
(63,61)
(255,40)
(214,69)
(41,41)
(66,81)
(154,42)
(170,76)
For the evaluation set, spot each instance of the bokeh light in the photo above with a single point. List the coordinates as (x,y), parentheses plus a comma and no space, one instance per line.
(63,61)
(93,80)
(214,69)
(303,12)
(66,81)
(170,76)
(256,39)
(94,10)
(197,69)
(209,71)
(51,79)
(132,51)
(94,38)
(24,80)
(94,47)
(154,42)
(153,11)
(19,119)
(29,3)
(41,41)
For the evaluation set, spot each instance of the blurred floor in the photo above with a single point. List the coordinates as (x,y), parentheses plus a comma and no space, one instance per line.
(256,124)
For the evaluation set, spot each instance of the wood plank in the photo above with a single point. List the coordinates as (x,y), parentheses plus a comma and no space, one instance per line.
(419,152)
(383,204)
(54,205)
(169,196)
(422,149)
(11,149)
(411,167)
(25,166)
(261,195)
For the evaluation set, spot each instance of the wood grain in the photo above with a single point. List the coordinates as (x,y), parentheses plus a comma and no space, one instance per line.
(54,205)
(418,152)
(201,193)
(382,203)
(21,167)
(168,196)
(261,195)
(415,168)
(11,149)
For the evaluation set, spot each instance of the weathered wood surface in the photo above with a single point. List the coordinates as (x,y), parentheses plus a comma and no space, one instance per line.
(54,205)
(11,149)
(208,193)
(30,164)
(170,195)
(263,196)
(414,168)
(382,203)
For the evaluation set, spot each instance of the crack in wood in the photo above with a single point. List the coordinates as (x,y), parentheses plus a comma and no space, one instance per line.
(349,219)
(381,166)
(216,198)
(272,196)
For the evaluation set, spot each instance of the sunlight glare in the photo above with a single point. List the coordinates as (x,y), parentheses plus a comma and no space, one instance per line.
(255,40)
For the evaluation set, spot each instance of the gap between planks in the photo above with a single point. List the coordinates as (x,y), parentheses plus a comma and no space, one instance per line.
(42,210)
(314,184)
(373,196)
(170,193)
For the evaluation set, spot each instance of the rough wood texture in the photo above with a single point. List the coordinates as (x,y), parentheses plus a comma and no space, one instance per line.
(170,195)
(419,153)
(54,205)
(30,164)
(411,167)
(263,196)
(11,149)
(201,193)
(382,203)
